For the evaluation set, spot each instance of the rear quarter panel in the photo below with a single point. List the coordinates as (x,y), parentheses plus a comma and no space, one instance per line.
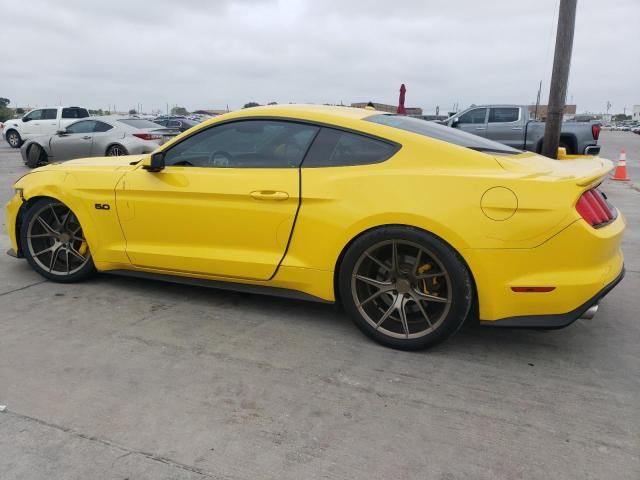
(429,185)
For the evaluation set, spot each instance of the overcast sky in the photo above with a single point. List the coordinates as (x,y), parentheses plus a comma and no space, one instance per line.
(207,54)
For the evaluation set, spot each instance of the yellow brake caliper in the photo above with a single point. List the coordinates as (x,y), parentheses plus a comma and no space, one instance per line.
(425,281)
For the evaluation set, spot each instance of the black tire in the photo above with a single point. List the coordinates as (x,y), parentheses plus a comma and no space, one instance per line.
(36,156)
(13,139)
(116,151)
(37,242)
(444,317)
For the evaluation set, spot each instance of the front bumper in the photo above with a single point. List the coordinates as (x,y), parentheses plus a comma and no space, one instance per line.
(556,321)
(11,210)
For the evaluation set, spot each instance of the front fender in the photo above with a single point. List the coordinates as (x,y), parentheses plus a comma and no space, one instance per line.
(100,226)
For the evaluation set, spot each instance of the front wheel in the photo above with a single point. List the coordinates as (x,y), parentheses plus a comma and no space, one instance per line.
(404,287)
(53,242)
(36,156)
(13,139)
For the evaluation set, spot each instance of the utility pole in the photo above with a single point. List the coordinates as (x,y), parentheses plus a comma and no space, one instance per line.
(559,77)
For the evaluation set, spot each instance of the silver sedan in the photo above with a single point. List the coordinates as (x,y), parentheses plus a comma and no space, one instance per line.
(96,137)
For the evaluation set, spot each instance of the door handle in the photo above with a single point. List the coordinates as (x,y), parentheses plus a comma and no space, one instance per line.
(516,128)
(86,137)
(269,195)
(480,128)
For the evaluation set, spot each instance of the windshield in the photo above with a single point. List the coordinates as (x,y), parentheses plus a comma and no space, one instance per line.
(440,132)
(139,123)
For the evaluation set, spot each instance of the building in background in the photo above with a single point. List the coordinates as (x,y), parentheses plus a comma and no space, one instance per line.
(383,107)
(569,112)
(636,113)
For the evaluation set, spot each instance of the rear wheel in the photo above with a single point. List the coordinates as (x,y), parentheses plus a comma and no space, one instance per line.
(36,156)
(116,151)
(405,288)
(53,242)
(13,139)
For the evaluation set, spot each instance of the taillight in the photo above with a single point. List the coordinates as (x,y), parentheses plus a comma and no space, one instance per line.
(147,136)
(594,208)
(595,130)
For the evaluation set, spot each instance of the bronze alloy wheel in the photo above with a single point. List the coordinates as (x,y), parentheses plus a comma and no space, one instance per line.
(55,241)
(404,287)
(401,289)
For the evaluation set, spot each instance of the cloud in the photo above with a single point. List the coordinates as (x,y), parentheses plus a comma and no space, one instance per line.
(210,54)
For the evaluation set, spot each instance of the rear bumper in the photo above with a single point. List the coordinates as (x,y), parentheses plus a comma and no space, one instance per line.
(578,264)
(592,150)
(559,320)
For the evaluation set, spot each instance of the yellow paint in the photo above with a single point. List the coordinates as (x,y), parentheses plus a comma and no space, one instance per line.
(208,223)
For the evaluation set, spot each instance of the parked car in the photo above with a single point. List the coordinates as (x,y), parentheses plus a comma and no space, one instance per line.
(411,225)
(180,123)
(43,121)
(512,125)
(96,136)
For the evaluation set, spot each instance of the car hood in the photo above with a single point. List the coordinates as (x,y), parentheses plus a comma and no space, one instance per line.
(584,170)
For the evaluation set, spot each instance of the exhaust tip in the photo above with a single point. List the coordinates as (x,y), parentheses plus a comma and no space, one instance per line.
(590,313)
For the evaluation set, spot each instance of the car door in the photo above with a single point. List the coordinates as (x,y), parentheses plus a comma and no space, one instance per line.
(103,136)
(505,126)
(473,121)
(31,123)
(223,206)
(75,142)
(48,124)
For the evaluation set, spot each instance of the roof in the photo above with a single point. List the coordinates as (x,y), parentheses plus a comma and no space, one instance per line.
(311,112)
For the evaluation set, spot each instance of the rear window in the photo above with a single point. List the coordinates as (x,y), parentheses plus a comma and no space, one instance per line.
(49,114)
(503,115)
(74,113)
(440,132)
(138,123)
(337,148)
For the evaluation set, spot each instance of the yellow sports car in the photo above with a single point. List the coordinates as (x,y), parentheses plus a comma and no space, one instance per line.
(412,226)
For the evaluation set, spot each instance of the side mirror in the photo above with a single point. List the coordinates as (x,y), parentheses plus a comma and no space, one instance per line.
(25,119)
(156,163)
(61,132)
(454,123)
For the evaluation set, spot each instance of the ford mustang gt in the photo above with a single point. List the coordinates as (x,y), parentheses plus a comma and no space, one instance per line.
(413,227)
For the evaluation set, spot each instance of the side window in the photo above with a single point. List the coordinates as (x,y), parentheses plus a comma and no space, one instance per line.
(49,113)
(34,115)
(74,113)
(101,127)
(84,126)
(245,144)
(336,148)
(503,115)
(174,124)
(476,115)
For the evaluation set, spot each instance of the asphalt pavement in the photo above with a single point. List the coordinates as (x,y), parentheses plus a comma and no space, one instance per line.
(118,378)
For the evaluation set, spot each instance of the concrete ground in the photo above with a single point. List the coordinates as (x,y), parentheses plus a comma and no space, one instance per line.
(128,379)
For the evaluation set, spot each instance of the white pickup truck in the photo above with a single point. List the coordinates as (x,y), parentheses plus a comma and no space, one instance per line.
(42,121)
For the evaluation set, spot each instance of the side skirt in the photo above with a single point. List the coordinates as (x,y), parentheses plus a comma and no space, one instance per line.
(232,286)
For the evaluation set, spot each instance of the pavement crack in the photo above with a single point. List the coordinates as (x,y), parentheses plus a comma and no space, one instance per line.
(22,288)
(125,451)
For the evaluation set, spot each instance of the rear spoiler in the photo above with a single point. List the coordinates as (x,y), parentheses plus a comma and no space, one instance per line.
(595,176)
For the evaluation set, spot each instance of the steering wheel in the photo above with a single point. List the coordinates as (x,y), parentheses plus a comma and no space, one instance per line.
(220,162)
